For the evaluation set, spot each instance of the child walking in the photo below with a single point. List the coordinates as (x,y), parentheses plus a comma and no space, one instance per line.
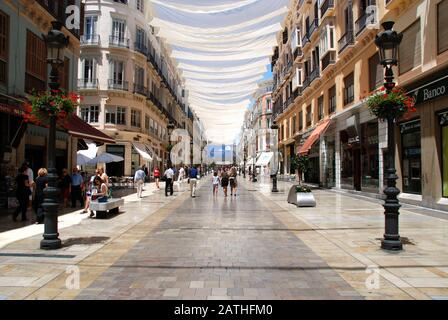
(215,180)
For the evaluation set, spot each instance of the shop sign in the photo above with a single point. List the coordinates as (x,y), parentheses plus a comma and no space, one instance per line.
(353,140)
(410,126)
(431,91)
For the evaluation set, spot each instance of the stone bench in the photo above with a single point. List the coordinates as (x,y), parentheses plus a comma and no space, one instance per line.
(101,208)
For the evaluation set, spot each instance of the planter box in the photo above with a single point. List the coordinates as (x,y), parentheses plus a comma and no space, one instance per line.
(301,199)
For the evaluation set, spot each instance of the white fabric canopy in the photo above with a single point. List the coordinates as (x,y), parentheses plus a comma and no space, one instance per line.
(141,149)
(222,49)
(264,158)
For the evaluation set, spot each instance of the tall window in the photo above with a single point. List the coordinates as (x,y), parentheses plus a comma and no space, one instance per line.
(90,28)
(90,114)
(410,50)
(117,71)
(411,156)
(300,120)
(36,63)
(320,107)
(444,123)
(4,47)
(442,30)
(309,116)
(135,118)
(349,89)
(140,39)
(294,122)
(332,99)
(146,123)
(139,77)
(64,75)
(376,77)
(118,30)
(116,115)
(89,70)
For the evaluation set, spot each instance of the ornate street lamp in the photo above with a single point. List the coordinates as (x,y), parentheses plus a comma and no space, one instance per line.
(56,43)
(275,127)
(387,43)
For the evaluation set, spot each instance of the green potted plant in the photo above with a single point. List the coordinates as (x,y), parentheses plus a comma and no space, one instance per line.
(299,194)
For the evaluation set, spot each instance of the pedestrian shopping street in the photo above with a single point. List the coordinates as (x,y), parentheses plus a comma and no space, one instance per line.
(252,246)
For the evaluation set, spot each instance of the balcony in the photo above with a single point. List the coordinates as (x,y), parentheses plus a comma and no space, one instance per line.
(328,58)
(360,24)
(346,40)
(311,77)
(297,92)
(118,42)
(87,84)
(326,6)
(305,40)
(298,53)
(313,27)
(90,40)
(304,1)
(114,84)
(140,89)
(141,48)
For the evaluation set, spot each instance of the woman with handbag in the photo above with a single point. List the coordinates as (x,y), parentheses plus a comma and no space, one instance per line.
(23,192)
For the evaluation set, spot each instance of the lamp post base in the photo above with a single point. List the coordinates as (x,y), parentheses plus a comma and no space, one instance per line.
(50,244)
(391,245)
(274,183)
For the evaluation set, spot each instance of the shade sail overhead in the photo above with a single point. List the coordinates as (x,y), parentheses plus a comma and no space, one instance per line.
(222,49)
(264,158)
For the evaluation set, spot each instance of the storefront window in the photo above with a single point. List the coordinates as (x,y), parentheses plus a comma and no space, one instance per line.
(369,157)
(135,158)
(331,183)
(350,159)
(444,123)
(411,156)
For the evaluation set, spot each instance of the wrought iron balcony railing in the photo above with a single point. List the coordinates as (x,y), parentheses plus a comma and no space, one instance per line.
(115,84)
(360,24)
(90,40)
(326,5)
(140,89)
(116,41)
(141,48)
(87,84)
(346,40)
(328,58)
(311,77)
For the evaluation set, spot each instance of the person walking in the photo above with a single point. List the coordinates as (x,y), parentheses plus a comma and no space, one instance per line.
(215,181)
(23,192)
(232,180)
(65,182)
(224,181)
(157,176)
(89,190)
(169,175)
(181,177)
(76,188)
(193,177)
(40,184)
(139,181)
(29,172)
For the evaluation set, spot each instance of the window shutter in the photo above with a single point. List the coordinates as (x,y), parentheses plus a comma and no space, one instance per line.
(376,76)
(4,46)
(442,30)
(410,51)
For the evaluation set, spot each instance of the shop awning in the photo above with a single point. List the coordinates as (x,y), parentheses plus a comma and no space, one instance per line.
(264,158)
(317,132)
(141,148)
(79,129)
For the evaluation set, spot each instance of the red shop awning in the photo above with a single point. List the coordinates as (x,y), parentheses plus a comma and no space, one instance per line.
(317,132)
(79,129)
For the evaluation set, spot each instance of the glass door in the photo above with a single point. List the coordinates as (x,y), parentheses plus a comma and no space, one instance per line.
(90,30)
(118,30)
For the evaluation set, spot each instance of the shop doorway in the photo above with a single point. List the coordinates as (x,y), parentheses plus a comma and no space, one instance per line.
(357,169)
(35,155)
(115,169)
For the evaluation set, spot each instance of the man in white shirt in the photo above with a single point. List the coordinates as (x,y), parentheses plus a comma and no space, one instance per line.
(139,180)
(30,174)
(169,175)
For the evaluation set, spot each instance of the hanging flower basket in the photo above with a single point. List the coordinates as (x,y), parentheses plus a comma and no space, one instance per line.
(392,105)
(56,103)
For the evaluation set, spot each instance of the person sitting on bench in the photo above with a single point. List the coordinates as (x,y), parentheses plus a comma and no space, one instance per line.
(102,190)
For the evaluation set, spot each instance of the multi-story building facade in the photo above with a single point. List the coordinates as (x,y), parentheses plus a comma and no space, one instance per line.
(130,86)
(255,140)
(325,67)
